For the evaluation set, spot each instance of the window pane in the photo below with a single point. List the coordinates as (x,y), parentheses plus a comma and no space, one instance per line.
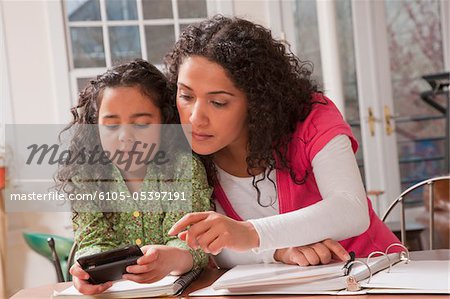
(121,9)
(87,47)
(183,26)
(83,10)
(307,35)
(159,41)
(344,30)
(192,8)
(157,9)
(82,83)
(125,43)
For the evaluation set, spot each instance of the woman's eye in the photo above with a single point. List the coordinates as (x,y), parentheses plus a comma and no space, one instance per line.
(218,104)
(185,97)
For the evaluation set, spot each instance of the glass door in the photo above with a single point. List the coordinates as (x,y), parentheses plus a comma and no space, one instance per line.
(415,41)
(385,48)
(397,43)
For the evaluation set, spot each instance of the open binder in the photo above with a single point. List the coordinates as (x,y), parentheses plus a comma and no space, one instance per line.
(385,273)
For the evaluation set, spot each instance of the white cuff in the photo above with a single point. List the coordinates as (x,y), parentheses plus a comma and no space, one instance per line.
(266,256)
(265,242)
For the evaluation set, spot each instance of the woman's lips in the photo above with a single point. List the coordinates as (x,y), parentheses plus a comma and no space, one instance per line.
(201,136)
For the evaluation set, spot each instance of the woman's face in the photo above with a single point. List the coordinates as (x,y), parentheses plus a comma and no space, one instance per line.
(208,101)
(129,126)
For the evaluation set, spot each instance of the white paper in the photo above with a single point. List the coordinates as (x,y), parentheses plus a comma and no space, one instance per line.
(263,274)
(415,275)
(209,291)
(127,286)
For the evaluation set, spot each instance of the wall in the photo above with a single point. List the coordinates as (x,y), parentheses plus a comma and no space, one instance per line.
(36,95)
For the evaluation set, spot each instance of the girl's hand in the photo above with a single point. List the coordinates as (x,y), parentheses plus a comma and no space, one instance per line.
(80,277)
(213,232)
(315,254)
(159,261)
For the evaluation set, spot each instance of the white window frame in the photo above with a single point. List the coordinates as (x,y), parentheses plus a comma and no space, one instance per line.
(213,6)
(375,92)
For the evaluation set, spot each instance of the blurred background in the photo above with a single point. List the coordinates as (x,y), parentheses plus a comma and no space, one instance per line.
(370,57)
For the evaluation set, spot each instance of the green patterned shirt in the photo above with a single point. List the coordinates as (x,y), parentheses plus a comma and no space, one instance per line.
(96,233)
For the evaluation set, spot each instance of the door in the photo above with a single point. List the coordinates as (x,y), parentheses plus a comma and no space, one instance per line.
(382,51)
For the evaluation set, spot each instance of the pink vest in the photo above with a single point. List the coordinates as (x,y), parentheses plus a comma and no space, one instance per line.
(322,124)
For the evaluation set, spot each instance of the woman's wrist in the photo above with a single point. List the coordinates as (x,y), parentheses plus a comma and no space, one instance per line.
(253,236)
(181,260)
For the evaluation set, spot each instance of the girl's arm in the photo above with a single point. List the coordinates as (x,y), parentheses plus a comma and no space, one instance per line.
(92,229)
(92,233)
(175,257)
(201,201)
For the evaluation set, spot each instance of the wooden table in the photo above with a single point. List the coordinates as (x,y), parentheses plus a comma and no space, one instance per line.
(210,275)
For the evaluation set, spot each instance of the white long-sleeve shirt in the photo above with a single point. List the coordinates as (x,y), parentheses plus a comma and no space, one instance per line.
(343,212)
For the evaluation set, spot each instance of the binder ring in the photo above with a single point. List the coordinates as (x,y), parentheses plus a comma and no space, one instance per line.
(380,252)
(360,262)
(404,258)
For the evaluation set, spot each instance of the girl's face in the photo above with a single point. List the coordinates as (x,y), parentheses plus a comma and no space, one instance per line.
(216,110)
(126,118)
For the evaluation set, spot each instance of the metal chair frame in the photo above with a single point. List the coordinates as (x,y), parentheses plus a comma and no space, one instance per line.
(400,199)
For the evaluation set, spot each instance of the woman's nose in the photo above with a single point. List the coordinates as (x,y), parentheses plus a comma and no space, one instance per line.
(198,117)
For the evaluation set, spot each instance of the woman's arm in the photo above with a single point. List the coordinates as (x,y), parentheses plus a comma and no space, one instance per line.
(343,212)
(228,258)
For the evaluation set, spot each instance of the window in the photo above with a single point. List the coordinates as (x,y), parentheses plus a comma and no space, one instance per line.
(103,33)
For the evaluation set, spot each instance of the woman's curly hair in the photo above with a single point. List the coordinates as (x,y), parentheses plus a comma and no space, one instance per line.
(277,85)
(82,133)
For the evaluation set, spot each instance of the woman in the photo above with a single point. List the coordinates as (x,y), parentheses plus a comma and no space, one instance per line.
(277,151)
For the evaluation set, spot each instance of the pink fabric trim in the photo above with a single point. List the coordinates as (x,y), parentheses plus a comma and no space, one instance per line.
(320,144)
(283,191)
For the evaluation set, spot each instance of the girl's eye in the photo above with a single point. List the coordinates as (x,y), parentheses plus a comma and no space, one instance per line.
(141,126)
(111,127)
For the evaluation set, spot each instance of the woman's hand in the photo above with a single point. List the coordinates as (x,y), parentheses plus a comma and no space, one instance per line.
(314,254)
(159,261)
(213,232)
(80,277)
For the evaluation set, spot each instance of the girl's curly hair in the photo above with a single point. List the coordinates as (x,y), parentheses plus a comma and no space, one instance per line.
(137,73)
(277,84)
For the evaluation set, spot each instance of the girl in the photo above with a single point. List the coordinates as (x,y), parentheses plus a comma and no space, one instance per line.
(278,152)
(122,109)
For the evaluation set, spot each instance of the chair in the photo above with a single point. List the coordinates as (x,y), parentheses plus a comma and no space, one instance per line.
(430,205)
(61,254)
